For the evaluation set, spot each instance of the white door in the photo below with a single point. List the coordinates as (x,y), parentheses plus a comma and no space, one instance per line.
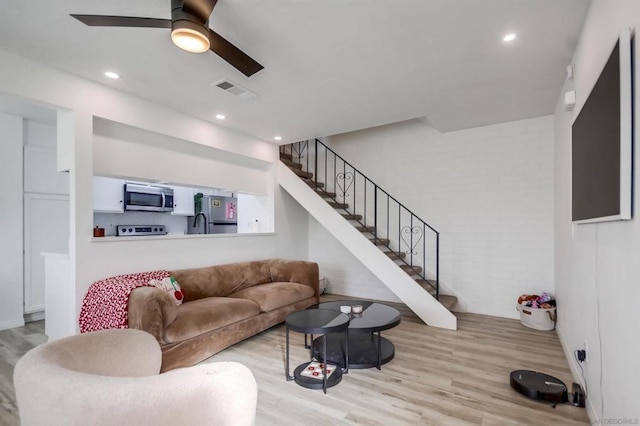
(46,229)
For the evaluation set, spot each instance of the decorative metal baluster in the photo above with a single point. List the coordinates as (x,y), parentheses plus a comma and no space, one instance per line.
(343,183)
(410,231)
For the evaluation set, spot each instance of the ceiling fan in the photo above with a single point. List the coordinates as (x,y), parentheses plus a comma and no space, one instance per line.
(190,31)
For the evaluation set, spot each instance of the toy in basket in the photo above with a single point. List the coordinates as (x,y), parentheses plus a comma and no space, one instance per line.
(538,312)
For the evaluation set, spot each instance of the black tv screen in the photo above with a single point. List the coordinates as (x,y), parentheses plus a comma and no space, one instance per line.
(601,144)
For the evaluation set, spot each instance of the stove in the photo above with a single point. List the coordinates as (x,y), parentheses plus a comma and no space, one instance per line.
(138,230)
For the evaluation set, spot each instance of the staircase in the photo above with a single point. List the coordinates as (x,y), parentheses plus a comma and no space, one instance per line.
(397,246)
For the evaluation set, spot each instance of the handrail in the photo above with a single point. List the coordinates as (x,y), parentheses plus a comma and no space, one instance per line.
(365,176)
(345,172)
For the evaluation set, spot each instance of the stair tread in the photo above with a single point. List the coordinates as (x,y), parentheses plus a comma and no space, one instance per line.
(411,269)
(287,156)
(302,174)
(352,216)
(448,301)
(365,228)
(380,241)
(394,255)
(325,194)
(313,184)
(336,205)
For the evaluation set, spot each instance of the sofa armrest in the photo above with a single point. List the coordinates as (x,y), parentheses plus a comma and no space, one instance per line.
(152,310)
(298,271)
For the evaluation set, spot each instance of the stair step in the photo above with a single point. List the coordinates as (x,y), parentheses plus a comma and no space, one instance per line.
(380,241)
(429,285)
(325,194)
(448,301)
(352,216)
(299,172)
(286,156)
(313,184)
(411,269)
(395,255)
(336,205)
(366,228)
(445,300)
(291,163)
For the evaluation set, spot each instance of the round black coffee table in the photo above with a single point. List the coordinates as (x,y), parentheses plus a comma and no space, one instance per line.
(366,347)
(317,321)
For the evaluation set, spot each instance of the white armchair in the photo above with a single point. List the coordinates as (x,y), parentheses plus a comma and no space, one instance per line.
(111,377)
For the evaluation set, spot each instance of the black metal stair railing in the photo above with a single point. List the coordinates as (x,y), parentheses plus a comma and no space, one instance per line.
(409,240)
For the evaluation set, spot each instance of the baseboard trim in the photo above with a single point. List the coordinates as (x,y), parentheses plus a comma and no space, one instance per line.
(34,316)
(6,325)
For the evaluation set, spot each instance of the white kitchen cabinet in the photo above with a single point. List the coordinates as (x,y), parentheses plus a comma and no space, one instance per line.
(183,201)
(108,195)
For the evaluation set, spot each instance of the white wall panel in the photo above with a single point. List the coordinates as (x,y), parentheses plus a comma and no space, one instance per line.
(11,273)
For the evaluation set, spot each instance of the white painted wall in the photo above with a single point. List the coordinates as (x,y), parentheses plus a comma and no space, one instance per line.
(488,190)
(597,268)
(79,102)
(11,246)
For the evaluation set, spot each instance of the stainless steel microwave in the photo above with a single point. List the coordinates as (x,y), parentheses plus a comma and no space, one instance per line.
(148,198)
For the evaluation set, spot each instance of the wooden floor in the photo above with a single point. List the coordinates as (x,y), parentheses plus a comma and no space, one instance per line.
(13,344)
(437,376)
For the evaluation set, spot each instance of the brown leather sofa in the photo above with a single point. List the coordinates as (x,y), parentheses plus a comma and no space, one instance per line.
(222,305)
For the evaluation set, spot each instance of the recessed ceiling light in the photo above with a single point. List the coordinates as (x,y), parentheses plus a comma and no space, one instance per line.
(509,37)
(221,116)
(111,74)
(278,138)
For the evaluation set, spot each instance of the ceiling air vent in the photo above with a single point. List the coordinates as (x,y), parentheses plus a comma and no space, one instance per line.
(234,89)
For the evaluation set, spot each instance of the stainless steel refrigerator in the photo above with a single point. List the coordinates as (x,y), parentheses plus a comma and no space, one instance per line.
(219,216)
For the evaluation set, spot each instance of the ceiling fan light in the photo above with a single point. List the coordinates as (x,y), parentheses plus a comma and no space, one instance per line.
(190,36)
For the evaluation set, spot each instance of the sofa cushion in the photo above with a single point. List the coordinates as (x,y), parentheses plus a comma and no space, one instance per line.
(204,315)
(171,287)
(221,280)
(275,295)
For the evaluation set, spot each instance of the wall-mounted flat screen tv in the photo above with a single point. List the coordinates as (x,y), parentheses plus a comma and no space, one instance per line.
(602,143)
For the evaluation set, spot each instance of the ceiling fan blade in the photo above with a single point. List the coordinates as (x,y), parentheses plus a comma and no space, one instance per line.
(200,8)
(122,21)
(234,56)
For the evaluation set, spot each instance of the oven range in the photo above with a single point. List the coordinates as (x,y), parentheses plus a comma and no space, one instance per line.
(138,230)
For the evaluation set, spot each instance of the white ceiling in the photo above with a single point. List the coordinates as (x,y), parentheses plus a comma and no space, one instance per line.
(331,66)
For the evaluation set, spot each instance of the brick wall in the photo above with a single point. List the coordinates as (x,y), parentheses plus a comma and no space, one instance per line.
(488,190)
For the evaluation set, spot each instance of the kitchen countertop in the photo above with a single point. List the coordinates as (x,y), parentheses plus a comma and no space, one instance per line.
(177,237)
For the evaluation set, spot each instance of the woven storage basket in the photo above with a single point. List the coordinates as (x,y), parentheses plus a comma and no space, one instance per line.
(537,318)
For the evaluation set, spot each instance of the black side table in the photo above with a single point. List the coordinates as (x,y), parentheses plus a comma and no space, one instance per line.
(317,321)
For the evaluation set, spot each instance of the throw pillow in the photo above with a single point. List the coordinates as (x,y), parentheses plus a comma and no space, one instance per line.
(171,286)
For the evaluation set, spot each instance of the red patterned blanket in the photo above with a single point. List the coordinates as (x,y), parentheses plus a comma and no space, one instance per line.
(105,304)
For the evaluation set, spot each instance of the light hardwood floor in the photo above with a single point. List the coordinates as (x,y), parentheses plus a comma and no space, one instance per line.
(437,376)
(13,344)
